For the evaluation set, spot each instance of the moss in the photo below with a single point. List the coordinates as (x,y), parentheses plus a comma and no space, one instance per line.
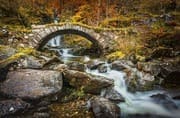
(77,41)
(115,55)
(21,52)
(140,58)
(95,28)
(115,22)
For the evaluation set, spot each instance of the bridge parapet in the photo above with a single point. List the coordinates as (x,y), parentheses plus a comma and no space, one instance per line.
(100,38)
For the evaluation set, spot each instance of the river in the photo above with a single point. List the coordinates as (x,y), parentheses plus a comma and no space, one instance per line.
(135,103)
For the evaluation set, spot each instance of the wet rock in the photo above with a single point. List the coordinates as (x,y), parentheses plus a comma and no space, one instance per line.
(170,74)
(122,64)
(174,93)
(116,65)
(94,64)
(139,80)
(8,107)
(112,95)
(164,100)
(149,67)
(76,66)
(103,108)
(90,83)
(32,84)
(103,68)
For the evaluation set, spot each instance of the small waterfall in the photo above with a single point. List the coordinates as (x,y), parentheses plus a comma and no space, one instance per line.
(137,103)
(55,42)
(65,52)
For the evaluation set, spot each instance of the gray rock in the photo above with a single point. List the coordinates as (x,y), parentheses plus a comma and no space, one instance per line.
(174,93)
(32,84)
(94,64)
(103,68)
(31,62)
(39,62)
(164,100)
(76,66)
(122,64)
(117,66)
(90,83)
(112,95)
(60,67)
(8,107)
(103,108)
(139,80)
(149,67)
(170,74)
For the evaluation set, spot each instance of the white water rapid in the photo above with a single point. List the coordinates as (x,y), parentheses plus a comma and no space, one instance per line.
(135,103)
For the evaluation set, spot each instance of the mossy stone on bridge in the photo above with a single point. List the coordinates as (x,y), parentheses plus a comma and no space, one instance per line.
(43,33)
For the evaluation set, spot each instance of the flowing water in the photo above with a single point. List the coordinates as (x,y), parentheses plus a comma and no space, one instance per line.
(135,103)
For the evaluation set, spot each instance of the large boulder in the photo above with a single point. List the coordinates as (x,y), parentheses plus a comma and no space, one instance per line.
(103,108)
(8,107)
(32,84)
(90,83)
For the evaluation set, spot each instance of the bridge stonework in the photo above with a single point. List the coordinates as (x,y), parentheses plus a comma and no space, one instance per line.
(102,40)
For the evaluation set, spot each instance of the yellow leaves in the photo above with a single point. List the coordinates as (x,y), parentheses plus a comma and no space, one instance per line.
(119,21)
(115,55)
(140,58)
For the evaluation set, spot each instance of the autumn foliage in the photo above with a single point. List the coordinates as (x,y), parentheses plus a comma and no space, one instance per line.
(91,12)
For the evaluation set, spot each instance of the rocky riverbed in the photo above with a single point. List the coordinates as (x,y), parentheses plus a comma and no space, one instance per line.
(60,84)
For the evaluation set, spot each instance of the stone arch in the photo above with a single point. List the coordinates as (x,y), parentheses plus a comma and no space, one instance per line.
(48,33)
(45,39)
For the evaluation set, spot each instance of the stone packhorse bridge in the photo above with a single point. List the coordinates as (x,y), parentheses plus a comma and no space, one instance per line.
(101,38)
